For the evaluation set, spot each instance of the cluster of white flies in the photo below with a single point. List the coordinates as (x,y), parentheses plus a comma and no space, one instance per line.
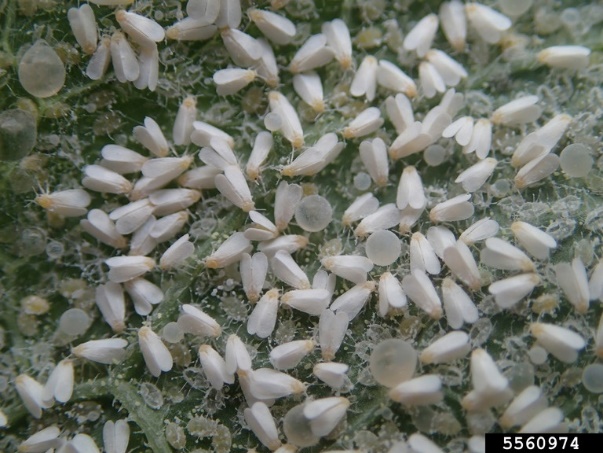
(156,205)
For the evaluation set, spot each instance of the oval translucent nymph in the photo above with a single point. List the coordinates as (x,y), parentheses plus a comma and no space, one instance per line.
(18,133)
(393,361)
(297,428)
(41,71)
(383,247)
(314,213)
(74,321)
(576,160)
(592,378)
